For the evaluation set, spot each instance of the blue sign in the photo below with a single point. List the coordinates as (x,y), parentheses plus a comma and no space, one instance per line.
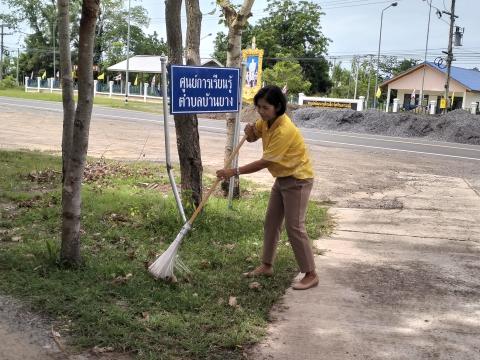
(195,89)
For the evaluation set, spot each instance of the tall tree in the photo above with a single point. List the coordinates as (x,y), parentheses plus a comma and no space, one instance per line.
(236,22)
(67,80)
(75,163)
(287,73)
(186,126)
(292,30)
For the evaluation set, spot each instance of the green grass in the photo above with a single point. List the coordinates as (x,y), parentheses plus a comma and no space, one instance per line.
(112,300)
(118,102)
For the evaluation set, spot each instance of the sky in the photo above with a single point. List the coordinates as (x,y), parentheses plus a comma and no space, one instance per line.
(353,27)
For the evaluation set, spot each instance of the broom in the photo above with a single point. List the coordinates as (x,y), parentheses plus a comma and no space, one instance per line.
(164,265)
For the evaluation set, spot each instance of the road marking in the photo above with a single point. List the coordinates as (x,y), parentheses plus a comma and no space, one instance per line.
(220,130)
(390,149)
(391,140)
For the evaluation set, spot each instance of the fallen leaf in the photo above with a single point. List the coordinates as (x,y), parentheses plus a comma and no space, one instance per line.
(101,350)
(255,285)
(232,301)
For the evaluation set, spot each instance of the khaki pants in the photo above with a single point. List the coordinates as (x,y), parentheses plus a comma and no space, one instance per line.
(288,200)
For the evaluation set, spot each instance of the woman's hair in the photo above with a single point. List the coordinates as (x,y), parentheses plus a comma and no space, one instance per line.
(274,96)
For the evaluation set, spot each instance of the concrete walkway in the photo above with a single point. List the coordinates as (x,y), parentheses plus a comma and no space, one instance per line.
(399,280)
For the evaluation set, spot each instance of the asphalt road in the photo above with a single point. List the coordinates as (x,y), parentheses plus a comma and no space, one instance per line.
(316,137)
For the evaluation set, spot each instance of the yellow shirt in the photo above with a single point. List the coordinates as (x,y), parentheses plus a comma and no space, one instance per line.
(284,147)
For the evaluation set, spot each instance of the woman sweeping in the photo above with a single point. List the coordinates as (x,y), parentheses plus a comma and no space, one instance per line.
(285,156)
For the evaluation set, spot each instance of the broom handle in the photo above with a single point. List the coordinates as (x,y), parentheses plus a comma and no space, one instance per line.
(205,198)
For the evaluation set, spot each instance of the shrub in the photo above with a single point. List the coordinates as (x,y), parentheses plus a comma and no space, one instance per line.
(8,83)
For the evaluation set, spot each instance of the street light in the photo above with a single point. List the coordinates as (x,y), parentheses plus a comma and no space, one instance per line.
(128,54)
(53,40)
(426,50)
(204,37)
(378,56)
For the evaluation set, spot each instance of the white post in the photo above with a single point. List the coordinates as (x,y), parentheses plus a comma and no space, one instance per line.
(110,85)
(464,102)
(51,84)
(145,88)
(95,82)
(38,83)
(395,105)
(26,83)
(473,108)
(360,104)
(388,99)
(433,105)
(127,90)
(300,98)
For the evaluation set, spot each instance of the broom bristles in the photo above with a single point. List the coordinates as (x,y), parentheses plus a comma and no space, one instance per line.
(164,265)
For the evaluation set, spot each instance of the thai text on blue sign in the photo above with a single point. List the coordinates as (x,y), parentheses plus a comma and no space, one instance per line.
(197,89)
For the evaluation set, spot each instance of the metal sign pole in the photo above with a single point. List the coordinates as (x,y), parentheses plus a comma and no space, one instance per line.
(235,136)
(163,60)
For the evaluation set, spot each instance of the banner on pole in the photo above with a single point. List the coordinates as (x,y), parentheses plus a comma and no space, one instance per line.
(253,77)
(195,89)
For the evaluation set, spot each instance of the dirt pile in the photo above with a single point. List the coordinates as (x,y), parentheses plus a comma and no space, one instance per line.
(249,114)
(456,126)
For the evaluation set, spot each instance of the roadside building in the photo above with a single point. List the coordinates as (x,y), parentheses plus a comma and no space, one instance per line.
(464,86)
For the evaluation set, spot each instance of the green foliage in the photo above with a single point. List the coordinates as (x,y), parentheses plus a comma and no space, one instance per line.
(221,48)
(111,30)
(293,28)
(118,102)
(8,82)
(287,72)
(112,300)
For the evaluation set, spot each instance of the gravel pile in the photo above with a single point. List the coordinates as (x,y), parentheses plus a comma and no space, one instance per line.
(456,126)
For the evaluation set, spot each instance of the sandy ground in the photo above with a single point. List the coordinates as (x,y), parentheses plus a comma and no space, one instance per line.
(399,277)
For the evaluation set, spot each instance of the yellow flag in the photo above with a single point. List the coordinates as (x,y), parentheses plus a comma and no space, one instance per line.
(44,76)
(379,93)
(136,81)
(101,76)
(74,75)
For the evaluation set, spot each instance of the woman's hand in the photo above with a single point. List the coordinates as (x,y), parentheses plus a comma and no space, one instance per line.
(250,132)
(225,174)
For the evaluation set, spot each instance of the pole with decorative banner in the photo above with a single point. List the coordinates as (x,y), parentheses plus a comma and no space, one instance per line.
(252,82)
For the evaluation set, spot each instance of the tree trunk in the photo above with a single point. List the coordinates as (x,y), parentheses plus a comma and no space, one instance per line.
(67,80)
(71,194)
(186,126)
(236,23)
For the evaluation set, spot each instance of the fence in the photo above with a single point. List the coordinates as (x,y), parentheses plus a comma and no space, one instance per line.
(143,91)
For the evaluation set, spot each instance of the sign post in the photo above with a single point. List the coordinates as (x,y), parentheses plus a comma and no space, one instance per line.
(163,61)
(197,89)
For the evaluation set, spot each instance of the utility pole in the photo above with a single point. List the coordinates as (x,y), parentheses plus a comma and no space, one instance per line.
(333,75)
(1,51)
(450,51)
(357,67)
(18,59)
(369,79)
(2,34)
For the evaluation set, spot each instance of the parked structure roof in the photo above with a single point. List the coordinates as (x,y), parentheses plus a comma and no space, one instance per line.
(150,64)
